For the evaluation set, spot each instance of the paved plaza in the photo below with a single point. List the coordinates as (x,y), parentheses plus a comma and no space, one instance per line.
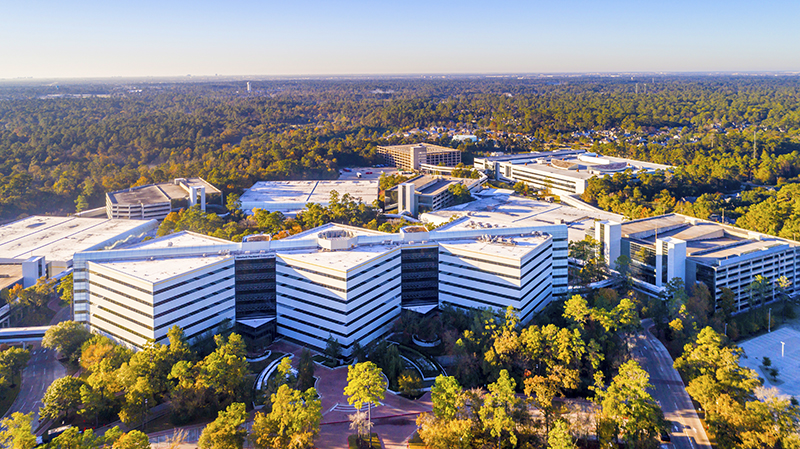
(788,365)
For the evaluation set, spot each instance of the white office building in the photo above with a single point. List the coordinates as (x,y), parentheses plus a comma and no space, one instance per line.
(699,251)
(564,172)
(332,281)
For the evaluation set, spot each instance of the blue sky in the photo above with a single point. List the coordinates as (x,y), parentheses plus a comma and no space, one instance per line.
(83,38)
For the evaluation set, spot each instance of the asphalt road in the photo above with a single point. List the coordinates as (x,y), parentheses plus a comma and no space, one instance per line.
(42,370)
(687,431)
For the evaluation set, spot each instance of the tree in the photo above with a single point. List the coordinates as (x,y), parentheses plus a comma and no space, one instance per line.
(498,408)
(17,431)
(409,383)
(333,350)
(12,362)
(627,403)
(292,423)
(305,371)
(225,370)
(365,385)
(65,288)
(460,193)
(63,396)
(559,436)
(225,432)
(67,337)
(132,440)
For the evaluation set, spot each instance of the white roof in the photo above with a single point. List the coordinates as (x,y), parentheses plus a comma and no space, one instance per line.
(294,195)
(513,211)
(59,238)
(517,250)
(162,269)
(338,260)
(180,239)
(333,226)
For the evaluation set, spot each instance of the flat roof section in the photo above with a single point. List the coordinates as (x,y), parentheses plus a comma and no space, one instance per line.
(179,239)
(59,238)
(516,250)
(161,269)
(334,226)
(339,260)
(507,211)
(10,275)
(429,147)
(159,193)
(294,195)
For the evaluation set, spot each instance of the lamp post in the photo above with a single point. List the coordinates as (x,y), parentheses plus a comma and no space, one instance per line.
(783,346)
(769,320)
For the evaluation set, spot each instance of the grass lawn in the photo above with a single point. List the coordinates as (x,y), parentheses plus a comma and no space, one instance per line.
(374,440)
(10,395)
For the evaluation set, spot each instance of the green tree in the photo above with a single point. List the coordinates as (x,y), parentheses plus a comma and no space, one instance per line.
(559,436)
(365,385)
(305,371)
(292,423)
(16,431)
(132,440)
(447,397)
(333,350)
(627,402)
(497,412)
(225,432)
(225,370)
(62,397)
(460,193)
(65,287)
(67,337)
(409,383)
(12,362)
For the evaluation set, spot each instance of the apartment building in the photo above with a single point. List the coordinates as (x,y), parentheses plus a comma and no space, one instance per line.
(333,281)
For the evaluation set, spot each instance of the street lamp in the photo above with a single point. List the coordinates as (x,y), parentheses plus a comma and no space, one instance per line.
(783,346)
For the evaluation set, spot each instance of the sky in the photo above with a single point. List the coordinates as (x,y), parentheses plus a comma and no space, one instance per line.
(102,38)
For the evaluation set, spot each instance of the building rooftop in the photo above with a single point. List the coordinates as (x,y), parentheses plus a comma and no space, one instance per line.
(577,163)
(433,185)
(159,193)
(179,239)
(706,241)
(161,269)
(9,275)
(499,247)
(343,261)
(429,147)
(505,211)
(59,238)
(292,196)
(333,226)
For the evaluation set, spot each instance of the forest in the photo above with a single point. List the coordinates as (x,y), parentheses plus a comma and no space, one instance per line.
(63,146)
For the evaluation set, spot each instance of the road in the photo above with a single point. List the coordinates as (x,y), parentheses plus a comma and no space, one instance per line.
(42,370)
(687,431)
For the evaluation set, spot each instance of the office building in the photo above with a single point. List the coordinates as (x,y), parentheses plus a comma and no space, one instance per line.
(156,201)
(694,250)
(43,246)
(340,281)
(562,171)
(418,155)
(427,193)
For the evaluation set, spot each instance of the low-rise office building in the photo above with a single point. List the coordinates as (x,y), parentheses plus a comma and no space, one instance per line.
(43,246)
(562,171)
(156,201)
(694,250)
(410,157)
(333,281)
(427,193)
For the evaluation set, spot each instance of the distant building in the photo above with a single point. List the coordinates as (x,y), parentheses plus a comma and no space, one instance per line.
(409,157)
(332,281)
(289,197)
(562,171)
(426,193)
(699,251)
(156,201)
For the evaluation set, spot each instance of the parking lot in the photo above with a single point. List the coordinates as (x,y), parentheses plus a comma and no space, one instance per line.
(788,364)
